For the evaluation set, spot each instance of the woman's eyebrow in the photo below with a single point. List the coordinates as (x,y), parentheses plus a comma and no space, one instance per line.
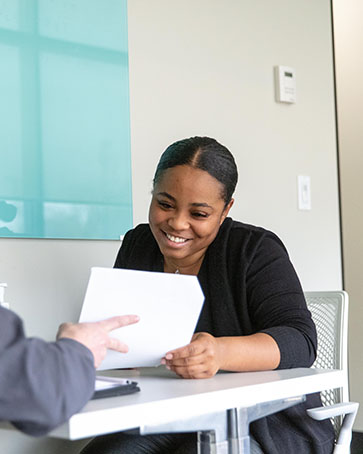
(195,204)
(165,194)
(205,205)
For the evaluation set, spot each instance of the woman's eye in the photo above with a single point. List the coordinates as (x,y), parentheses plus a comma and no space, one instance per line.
(200,215)
(165,205)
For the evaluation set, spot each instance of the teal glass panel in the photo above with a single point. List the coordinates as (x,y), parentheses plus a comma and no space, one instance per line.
(65,164)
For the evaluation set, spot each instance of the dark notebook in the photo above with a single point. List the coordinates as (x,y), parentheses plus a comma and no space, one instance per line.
(110,387)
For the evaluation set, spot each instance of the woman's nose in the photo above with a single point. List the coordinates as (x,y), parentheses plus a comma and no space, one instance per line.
(178,222)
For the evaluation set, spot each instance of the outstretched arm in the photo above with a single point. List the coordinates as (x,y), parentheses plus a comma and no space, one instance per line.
(43,383)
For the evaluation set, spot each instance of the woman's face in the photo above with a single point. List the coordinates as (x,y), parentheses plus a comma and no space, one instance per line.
(185,213)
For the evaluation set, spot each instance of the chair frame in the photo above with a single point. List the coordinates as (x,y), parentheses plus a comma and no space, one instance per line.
(341,300)
(343,411)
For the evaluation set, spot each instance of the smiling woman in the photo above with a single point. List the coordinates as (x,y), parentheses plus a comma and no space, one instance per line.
(254,315)
(193,187)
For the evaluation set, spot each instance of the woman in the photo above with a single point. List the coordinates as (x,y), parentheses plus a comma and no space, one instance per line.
(254,316)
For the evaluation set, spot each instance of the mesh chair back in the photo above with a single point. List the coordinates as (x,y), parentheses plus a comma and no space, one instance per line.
(329,311)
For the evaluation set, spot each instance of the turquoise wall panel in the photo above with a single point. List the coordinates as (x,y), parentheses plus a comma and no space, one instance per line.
(65,164)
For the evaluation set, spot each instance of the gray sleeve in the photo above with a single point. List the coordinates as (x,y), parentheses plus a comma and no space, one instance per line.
(41,383)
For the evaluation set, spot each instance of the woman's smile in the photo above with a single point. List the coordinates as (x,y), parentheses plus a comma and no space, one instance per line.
(176,239)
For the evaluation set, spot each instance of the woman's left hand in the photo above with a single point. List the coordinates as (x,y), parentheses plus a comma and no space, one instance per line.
(199,359)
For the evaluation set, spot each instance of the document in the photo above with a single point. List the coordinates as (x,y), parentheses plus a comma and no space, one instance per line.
(168,306)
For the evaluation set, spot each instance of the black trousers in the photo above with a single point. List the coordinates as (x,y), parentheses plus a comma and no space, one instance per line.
(123,443)
(118,443)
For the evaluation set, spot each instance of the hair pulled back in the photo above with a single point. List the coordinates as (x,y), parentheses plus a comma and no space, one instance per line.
(202,153)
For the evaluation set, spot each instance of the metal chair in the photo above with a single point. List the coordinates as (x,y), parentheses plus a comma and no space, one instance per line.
(330,314)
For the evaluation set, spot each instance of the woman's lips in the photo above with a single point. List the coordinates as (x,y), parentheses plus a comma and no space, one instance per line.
(175,239)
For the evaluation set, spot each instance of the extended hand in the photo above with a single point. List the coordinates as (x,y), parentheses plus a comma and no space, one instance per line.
(199,359)
(95,336)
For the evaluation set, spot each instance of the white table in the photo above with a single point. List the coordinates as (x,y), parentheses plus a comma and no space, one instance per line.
(224,404)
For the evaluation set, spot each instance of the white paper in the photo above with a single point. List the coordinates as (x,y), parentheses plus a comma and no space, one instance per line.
(102,383)
(168,305)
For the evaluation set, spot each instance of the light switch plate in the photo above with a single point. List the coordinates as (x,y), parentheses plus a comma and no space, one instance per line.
(304,192)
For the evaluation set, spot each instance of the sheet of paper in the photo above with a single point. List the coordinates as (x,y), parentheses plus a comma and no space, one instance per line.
(168,305)
(102,383)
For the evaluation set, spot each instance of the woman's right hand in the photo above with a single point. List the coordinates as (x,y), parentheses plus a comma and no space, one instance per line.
(199,359)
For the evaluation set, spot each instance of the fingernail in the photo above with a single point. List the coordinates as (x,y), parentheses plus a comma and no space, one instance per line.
(168,367)
(163,361)
(169,356)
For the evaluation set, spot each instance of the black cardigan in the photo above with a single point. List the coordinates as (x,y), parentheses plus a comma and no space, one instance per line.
(251,286)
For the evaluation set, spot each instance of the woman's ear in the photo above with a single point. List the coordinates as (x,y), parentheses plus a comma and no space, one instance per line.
(226,211)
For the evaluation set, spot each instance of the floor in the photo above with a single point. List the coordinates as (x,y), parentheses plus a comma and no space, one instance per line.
(357,443)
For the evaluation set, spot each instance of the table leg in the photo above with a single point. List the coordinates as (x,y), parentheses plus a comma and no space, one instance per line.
(225,432)
(208,444)
(234,438)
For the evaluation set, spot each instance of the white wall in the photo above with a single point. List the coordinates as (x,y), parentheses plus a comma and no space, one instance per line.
(348,24)
(206,67)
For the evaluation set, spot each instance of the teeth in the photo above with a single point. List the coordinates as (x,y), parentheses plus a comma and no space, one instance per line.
(175,239)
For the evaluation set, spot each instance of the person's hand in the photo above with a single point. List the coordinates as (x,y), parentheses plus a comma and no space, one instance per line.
(95,336)
(199,359)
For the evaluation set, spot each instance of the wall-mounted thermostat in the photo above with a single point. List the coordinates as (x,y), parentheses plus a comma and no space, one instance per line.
(285,84)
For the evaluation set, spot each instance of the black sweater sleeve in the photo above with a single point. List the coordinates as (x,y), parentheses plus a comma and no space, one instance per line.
(277,304)
(41,384)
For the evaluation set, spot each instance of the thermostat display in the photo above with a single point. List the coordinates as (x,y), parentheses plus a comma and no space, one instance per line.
(285,84)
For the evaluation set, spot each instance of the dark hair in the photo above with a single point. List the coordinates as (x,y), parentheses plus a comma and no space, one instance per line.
(202,153)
